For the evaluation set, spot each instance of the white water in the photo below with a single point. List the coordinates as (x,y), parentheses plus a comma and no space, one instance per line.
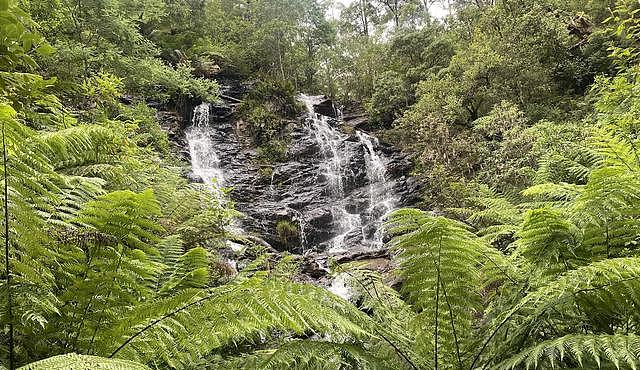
(335,164)
(349,223)
(381,195)
(340,286)
(335,167)
(205,162)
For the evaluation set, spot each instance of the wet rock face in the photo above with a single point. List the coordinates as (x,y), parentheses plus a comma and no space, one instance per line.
(298,191)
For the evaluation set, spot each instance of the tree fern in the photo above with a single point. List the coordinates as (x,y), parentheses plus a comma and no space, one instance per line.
(73,361)
(29,193)
(439,260)
(306,354)
(250,311)
(601,297)
(608,211)
(583,350)
(549,241)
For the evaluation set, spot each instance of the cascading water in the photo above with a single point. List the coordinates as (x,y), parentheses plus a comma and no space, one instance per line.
(205,162)
(334,186)
(382,199)
(334,166)
(336,159)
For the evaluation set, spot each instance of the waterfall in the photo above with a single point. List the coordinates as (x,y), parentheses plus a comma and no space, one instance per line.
(205,162)
(334,185)
(381,195)
(335,166)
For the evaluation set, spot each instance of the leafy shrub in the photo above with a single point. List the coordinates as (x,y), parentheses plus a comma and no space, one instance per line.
(287,231)
(148,132)
(151,78)
(102,91)
(266,110)
(390,98)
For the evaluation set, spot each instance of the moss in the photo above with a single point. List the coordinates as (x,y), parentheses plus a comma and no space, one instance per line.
(277,97)
(273,151)
(265,172)
(287,231)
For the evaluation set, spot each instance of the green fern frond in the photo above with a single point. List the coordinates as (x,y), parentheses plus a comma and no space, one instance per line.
(598,295)
(439,260)
(245,313)
(308,355)
(125,215)
(586,350)
(189,271)
(74,361)
(558,194)
(548,241)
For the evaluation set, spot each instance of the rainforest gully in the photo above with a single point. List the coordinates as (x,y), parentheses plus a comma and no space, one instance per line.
(320,184)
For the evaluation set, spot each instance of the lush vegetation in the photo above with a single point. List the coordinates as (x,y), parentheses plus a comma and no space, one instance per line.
(523,118)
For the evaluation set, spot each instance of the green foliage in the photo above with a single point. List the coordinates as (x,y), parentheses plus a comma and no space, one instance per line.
(389,98)
(115,37)
(266,111)
(109,252)
(287,231)
(585,350)
(247,312)
(440,260)
(73,361)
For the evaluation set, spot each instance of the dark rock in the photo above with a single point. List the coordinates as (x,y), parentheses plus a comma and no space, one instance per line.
(325,107)
(357,121)
(298,189)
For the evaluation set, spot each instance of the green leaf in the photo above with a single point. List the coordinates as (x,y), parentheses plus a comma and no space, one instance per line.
(45,49)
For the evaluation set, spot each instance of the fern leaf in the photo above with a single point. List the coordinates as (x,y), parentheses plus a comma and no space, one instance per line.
(587,350)
(74,361)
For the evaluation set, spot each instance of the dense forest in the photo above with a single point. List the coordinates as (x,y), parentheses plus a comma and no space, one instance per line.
(515,242)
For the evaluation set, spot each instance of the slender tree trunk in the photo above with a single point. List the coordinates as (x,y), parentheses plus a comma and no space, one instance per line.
(5,159)
(363,15)
(280,58)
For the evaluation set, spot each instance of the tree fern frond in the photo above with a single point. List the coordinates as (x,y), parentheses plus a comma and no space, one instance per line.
(549,241)
(250,311)
(125,215)
(74,361)
(189,271)
(439,260)
(601,293)
(560,194)
(307,354)
(585,350)
(82,145)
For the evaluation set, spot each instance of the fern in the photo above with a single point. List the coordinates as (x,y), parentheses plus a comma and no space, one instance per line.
(584,350)
(73,361)
(608,211)
(307,354)
(250,311)
(600,297)
(29,193)
(439,261)
(549,241)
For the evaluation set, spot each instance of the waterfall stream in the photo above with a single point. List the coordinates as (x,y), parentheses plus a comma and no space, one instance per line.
(346,173)
(335,166)
(382,199)
(205,162)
